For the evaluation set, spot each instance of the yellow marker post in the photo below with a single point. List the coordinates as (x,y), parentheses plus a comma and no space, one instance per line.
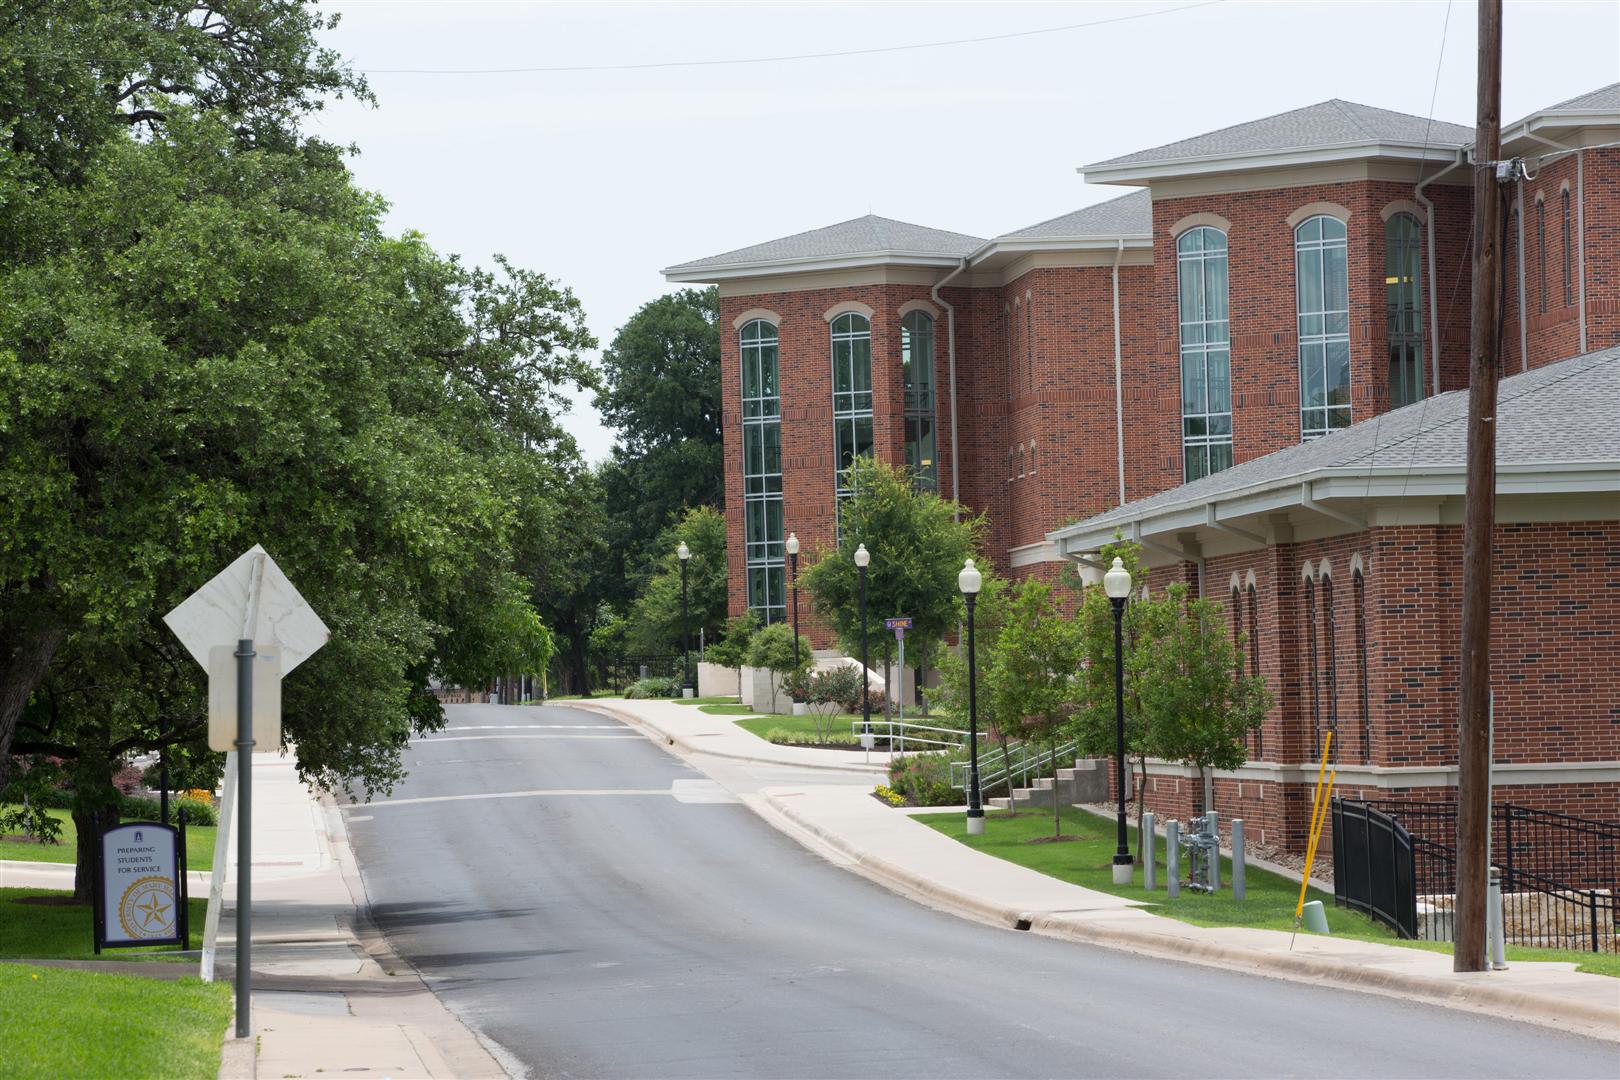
(1319,807)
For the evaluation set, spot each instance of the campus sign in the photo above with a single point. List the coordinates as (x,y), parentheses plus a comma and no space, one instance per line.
(140,887)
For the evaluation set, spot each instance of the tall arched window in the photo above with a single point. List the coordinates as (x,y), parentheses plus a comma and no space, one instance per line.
(1254,657)
(1330,669)
(1322,288)
(1569,255)
(1206,353)
(917,376)
(1541,252)
(1362,689)
(852,396)
(1310,659)
(1403,287)
(762,470)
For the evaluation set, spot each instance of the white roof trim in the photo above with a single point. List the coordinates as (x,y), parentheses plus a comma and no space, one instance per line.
(1337,482)
(1137,172)
(730,271)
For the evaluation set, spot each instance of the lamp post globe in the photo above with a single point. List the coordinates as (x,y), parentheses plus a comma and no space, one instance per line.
(1117,584)
(863,559)
(970,581)
(792,547)
(684,554)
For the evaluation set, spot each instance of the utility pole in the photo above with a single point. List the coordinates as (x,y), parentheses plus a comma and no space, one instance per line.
(1479,510)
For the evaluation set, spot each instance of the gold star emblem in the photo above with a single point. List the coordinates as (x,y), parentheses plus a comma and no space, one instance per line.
(154,910)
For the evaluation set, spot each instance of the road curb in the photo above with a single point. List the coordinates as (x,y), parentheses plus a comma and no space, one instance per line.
(238,1058)
(653,731)
(1469,992)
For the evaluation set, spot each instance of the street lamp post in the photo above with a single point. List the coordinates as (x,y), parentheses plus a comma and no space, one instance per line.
(863,559)
(793,571)
(684,553)
(969,581)
(1117,584)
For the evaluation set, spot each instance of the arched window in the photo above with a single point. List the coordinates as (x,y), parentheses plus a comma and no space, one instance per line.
(1310,659)
(1569,256)
(852,396)
(1235,610)
(1322,290)
(1206,353)
(762,470)
(1021,461)
(1330,648)
(1032,457)
(1403,288)
(917,377)
(1254,657)
(1029,345)
(1541,252)
(1362,695)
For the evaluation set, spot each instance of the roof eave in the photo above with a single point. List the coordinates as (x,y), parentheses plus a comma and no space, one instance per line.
(1137,173)
(682,273)
(1334,482)
(1132,241)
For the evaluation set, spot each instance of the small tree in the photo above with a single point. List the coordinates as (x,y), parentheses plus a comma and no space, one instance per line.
(1095,724)
(655,619)
(1034,672)
(732,650)
(772,649)
(1198,706)
(918,543)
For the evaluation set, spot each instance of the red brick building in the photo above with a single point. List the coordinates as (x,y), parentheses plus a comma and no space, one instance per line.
(1281,295)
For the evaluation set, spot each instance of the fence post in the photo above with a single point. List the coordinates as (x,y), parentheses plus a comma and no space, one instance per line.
(1172,857)
(1239,884)
(1507,842)
(1149,876)
(1493,900)
(1214,854)
(1592,906)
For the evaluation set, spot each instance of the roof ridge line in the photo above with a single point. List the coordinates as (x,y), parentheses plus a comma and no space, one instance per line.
(1355,121)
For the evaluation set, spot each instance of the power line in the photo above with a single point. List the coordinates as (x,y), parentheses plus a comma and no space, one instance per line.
(735,61)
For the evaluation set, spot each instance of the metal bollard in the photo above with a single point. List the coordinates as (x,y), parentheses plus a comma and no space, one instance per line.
(1212,824)
(1238,883)
(1172,857)
(1149,874)
(1493,901)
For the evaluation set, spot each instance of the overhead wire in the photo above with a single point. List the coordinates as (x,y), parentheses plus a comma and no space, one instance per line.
(792,57)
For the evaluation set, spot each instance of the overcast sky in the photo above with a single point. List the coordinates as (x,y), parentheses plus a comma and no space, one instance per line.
(601,178)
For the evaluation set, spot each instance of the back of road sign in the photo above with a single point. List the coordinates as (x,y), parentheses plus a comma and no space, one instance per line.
(222,698)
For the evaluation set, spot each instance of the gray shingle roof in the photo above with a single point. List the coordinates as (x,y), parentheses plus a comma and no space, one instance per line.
(869,235)
(1328,124)
(1559,414)
(1603,98)
(1128,215)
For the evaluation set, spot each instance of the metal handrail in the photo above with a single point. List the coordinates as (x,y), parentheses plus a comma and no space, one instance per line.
(1021,759)
(898,732)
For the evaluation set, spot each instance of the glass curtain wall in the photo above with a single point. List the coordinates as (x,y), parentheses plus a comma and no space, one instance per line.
(1206,355)
(852,396)
(1403,287)
(762,471)
(917,375)
(1323,294)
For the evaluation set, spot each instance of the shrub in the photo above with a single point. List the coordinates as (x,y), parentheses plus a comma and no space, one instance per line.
(838,687)
(889,795)
(924,779)
(784,737)
(198,812)
(799,686)
(656,687)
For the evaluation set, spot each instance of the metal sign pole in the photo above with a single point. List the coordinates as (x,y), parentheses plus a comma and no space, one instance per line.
(244,786)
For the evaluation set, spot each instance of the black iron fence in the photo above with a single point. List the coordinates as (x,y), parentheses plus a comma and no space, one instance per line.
(624,670)
(1395,859)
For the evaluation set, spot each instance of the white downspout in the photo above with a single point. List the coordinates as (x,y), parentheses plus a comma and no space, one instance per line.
(1119,390)
(950,347)
(1580,218)
(1434,268)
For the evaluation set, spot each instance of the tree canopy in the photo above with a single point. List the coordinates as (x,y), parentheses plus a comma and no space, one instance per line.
(655,620)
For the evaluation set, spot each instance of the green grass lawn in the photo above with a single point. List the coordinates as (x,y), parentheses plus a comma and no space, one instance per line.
(199,845)
(56,1023)
(712,699)
(63,931)
(1269,904)
(715,708)
(762,726)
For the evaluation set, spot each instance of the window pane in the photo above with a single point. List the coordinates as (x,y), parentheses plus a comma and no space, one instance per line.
(1310,282)
(1338,372)
(1311,362)
(1192,385)
(1337,288)
(1219,364)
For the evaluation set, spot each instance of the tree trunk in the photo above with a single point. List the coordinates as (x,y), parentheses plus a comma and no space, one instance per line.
(25,654)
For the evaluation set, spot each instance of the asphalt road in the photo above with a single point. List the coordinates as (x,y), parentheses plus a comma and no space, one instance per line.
(601,926)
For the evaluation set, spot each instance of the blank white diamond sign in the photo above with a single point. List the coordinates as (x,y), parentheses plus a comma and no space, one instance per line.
(213,614)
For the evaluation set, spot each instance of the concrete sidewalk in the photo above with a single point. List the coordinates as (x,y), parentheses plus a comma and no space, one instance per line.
(688,728)
(329,997)
(844,823)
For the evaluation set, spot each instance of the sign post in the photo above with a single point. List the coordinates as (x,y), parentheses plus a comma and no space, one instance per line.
(252,604)
(900,624)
